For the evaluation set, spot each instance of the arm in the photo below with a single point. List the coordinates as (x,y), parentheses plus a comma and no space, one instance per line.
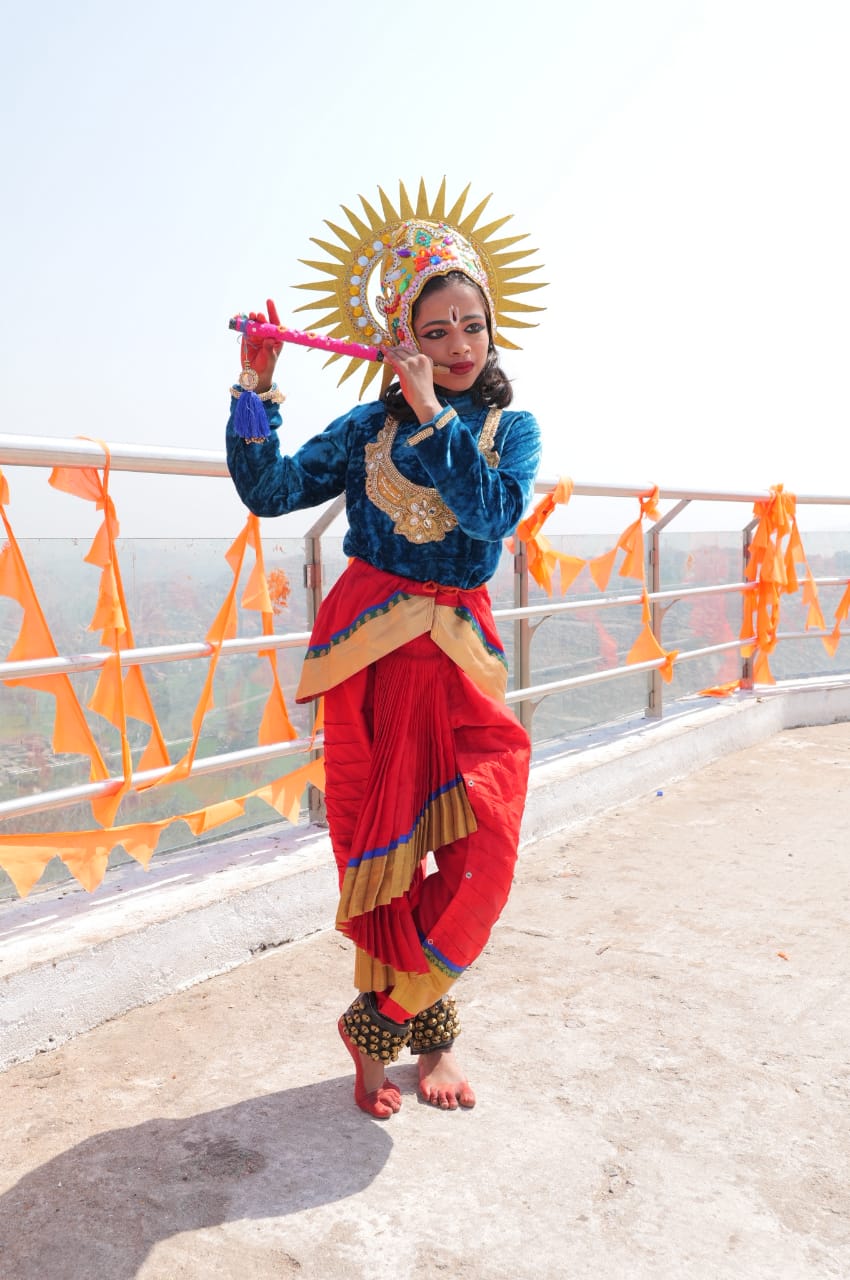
(488,501)
(270,484)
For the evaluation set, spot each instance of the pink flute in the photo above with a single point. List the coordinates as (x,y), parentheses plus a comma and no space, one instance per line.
(280,333)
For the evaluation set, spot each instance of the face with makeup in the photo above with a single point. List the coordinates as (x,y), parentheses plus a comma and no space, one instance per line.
(450,326)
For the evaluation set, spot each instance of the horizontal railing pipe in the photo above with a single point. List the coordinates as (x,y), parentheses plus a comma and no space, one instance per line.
(145,656)
(52,451)
(65,796)
(42,451)
(607,602)
(46,451)
(611,673)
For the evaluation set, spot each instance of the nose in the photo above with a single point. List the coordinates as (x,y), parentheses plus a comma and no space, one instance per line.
(459,341)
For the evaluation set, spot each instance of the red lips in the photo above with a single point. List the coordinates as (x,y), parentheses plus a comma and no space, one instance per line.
(462,367)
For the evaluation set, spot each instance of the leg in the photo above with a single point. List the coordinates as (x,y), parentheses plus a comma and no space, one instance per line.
(459,903)
(441,1079)
(348,749)
(373,1041)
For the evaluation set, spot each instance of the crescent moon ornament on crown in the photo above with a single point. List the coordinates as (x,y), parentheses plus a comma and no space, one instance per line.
(378,269)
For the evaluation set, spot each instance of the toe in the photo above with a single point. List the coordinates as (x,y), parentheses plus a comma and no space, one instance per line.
(373,1105)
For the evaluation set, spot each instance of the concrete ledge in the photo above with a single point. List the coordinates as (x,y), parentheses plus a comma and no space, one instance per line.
(621,762)
(71,961)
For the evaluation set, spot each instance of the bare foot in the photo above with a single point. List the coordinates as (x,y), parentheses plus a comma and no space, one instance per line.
(442,1082)
(374,1092)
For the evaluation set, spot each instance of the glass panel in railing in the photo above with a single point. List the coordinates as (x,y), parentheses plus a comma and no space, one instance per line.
(173,590)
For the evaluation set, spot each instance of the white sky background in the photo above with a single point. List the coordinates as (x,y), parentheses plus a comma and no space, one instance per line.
(681,166)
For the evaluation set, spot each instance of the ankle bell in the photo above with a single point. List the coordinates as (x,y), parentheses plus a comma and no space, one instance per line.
(371,1033)
(435,1027)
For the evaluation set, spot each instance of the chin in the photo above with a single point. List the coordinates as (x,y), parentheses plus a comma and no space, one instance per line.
(456,384)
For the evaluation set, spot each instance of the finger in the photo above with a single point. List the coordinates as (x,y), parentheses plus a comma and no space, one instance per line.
(272,310)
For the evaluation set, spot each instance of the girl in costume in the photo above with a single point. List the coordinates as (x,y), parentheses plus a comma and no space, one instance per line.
(421,753)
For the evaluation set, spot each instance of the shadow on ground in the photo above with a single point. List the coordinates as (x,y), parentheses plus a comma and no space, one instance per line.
(100,1207)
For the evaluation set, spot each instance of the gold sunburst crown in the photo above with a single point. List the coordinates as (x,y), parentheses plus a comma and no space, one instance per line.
(352,303)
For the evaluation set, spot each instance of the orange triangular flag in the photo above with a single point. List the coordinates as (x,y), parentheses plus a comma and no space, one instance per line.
(600,568)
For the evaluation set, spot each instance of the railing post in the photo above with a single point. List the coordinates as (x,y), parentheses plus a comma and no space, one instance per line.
(522,633)
(313,586)
(747,662)
(655,707)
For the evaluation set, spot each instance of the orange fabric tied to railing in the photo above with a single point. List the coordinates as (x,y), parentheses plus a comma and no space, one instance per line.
(71,732)
(122,692)
(543,559)
(117,696)
(773,571)
(275,725)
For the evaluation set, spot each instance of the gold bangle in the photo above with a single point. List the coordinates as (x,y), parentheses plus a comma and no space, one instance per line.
(273,394)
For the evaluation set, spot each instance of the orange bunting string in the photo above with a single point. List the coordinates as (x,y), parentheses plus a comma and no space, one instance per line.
(843,608)
(275,725)
(601,567)
(71,733)
(543,559)
(777,562)
(832,641)
(118,693)
(214,815)
(86,853)
(223,628)
(285,793)
(647,649)
(528,528)
(721,690)
(631,542)
(24,861)
(810,597)
(773,571)
(649,504)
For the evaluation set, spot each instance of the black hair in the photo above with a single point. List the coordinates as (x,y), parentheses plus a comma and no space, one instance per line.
(491,389)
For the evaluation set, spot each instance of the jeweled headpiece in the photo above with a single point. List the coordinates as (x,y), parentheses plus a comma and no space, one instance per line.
(417,252)
(379,268)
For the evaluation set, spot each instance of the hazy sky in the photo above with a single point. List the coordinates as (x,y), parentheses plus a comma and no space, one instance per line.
(682,167)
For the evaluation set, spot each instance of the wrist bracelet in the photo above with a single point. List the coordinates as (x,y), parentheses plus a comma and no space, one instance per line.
(273,394)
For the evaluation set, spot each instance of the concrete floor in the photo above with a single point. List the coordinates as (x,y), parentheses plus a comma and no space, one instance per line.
(658,1035)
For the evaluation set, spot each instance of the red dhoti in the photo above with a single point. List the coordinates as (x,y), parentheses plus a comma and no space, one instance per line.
(421,755)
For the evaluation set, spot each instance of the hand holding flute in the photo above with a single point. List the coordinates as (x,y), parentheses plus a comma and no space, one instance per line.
(259,352)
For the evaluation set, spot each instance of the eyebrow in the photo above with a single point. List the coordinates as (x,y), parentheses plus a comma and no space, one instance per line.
(473,315)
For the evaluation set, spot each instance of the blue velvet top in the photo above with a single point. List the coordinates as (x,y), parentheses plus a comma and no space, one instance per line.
(431,507)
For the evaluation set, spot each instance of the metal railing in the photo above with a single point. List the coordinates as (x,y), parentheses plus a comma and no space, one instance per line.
(18,450)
